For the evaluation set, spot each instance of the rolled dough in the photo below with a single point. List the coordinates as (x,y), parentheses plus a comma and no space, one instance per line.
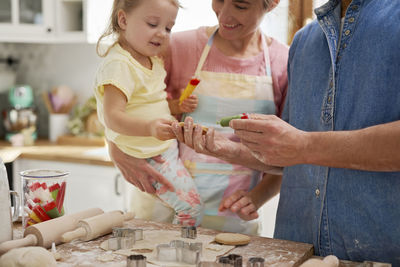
(28,257)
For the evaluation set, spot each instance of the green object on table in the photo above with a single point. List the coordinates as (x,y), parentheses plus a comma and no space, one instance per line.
(224,122)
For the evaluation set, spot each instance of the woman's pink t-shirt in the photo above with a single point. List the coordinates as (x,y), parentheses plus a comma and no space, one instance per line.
(185,51)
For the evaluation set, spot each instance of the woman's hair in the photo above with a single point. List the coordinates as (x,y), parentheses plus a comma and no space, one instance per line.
(113,26)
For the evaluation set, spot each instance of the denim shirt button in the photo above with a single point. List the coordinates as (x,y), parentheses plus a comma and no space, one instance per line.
(354,8)
(347,32)
(351,19)
(317,192)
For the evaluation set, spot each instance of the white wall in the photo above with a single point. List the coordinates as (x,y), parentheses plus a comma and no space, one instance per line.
(195,13)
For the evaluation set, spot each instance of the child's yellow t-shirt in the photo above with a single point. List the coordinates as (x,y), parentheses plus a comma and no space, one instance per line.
(144,90)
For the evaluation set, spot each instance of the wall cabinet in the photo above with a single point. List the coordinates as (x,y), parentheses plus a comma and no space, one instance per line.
(88,186)
(53,21)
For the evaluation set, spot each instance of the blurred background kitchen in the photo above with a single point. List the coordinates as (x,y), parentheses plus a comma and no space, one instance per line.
(48,47)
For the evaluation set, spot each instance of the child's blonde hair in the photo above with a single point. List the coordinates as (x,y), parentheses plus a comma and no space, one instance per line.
(267,4)
(113,26)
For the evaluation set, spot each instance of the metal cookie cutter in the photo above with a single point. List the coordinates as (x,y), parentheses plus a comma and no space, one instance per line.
(189,232)
(231,260)
(128,232)
(116,243)
(180,251)
(124,238)
(255,262)
(136,261)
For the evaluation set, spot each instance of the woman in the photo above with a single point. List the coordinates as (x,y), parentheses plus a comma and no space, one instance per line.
(240,70)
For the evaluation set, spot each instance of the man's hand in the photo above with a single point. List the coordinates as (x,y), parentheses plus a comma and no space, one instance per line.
(138,171)
(271,140)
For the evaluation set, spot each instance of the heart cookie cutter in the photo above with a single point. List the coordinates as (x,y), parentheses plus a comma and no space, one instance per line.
(180,251)
(189,232)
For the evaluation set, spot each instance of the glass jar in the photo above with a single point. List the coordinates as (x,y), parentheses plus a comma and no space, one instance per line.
(43,195)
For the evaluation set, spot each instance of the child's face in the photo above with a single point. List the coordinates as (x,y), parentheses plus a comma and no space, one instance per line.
(146,29)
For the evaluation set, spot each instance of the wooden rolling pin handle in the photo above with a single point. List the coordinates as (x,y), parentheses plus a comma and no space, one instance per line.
(129,216)
(29,240)
(77,233)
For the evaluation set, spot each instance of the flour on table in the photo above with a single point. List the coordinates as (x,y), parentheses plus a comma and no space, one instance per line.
(152,238)
(105,257)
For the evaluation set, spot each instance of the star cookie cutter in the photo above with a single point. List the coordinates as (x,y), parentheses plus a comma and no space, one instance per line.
(180,251)
(136,261)
(189,232)
(231,260)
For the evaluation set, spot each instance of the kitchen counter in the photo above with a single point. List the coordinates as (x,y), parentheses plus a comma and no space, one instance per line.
(45,150)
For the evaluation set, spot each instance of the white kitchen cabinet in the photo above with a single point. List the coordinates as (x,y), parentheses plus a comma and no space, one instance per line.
(53,21)
(26,20)
(88,186)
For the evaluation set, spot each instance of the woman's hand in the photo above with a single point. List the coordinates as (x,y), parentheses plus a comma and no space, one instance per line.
(240,203)
(138,171)
(212,143)
(271,140)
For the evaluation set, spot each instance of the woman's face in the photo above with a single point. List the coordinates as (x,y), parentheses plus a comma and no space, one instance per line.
(238,18)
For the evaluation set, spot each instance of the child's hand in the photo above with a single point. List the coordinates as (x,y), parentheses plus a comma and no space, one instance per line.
(161,129)
(189,104)
(241,203)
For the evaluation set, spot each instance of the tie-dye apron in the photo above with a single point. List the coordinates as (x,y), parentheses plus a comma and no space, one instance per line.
(220,95)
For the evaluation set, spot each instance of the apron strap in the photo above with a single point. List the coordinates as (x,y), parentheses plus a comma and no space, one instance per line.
(210,41)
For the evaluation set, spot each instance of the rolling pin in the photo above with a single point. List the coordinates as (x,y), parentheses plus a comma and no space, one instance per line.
(96,226)
(45,233)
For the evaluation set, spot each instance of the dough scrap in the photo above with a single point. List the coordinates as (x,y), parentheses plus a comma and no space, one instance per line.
(28,257)
(106,257)
(232,239)
(204,128)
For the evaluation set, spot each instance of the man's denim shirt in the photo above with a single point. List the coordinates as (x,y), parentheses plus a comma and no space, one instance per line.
(352,214)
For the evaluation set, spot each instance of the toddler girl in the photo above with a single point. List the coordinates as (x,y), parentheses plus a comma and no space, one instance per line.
(131,101)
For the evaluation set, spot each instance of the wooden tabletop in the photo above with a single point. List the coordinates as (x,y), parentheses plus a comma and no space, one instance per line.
(275,252)
(45,150)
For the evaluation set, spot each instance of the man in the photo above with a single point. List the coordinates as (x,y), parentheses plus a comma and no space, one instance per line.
(342,136)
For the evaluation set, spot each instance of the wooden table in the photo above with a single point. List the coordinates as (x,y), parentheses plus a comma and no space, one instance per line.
(275,252)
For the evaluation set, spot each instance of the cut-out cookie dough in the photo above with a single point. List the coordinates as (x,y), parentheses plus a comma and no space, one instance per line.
(232,239)
(106,257)
(151,239)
